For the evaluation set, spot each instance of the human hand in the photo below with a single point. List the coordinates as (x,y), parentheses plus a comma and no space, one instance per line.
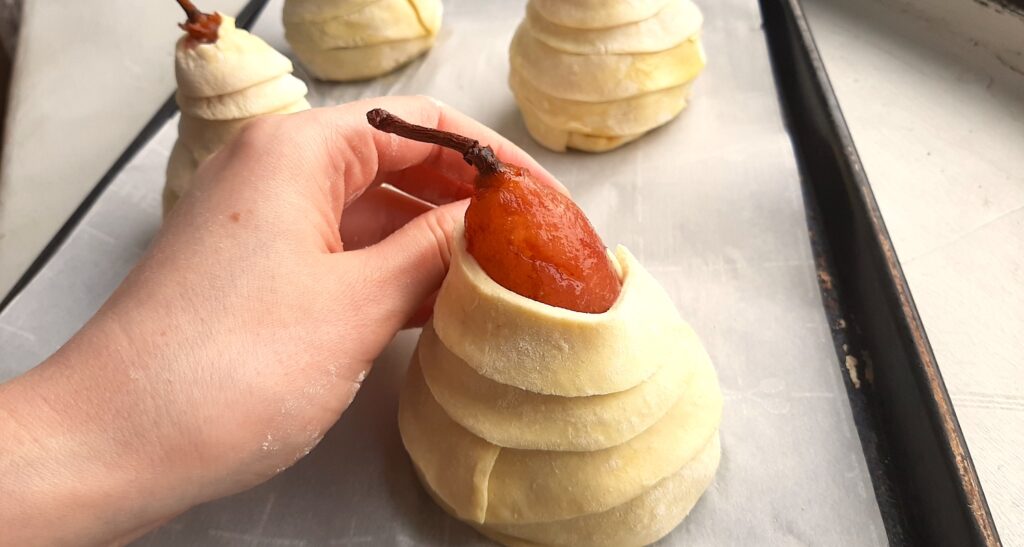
(247,328)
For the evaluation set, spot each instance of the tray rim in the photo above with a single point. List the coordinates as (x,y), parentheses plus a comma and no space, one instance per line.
(938,405)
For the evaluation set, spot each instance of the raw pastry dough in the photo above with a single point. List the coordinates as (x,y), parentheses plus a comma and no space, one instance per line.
(519,419)
(591,82)
(528,486)
(656,33)
(560,139)
(602,78)
(376,23)
(262,98)
(593,127)
(640,521)
(221,87)
(455,463)
(345,40)
(346,64)
(554,351)
(516,418)
(598,13)
(531,423)
(204,137)
(318,10)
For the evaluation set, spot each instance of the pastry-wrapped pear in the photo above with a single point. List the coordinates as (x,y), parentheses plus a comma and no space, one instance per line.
(342,40)
(226,77)
(540,420)
(596,74)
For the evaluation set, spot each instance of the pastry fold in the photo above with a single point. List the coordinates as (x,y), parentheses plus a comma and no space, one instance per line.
(221,87)
(523,343)
(585,79)
(591,14)
(517,418)
(541,425)
(659,32)
(641,521)
(344,40)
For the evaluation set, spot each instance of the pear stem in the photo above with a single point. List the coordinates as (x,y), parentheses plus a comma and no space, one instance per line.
(480,157)
(202,27)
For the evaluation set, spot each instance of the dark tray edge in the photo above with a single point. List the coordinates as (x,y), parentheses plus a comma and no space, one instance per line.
(245,19)
(928,472)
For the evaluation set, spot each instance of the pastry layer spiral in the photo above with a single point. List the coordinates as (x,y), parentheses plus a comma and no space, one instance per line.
(344,40)
(594,75)
(540,425)
(221,87)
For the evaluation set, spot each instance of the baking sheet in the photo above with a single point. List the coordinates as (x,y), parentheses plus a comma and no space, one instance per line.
(711,204)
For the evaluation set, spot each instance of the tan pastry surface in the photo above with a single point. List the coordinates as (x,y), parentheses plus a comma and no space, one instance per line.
(262,98)
(318,10)
(456,463)
(526,486)
(237,60)
(561,140)
(180,167)
(204,137)
(640,521)
(592,14)
(677,21)
(594,75)
(581,483)
(516,418)
(599,78)
(310,11)
(198,139)
(523,343)
(222,86)
(343,40)
(380,22)
(611,118)
(345,64)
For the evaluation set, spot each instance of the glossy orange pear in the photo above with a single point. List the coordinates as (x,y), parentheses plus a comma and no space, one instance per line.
(527,236)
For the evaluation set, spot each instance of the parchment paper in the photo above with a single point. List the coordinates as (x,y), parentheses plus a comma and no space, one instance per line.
(711,204)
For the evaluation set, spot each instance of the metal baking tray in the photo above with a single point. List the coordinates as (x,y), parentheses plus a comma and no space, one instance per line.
(922,471)
(858,405)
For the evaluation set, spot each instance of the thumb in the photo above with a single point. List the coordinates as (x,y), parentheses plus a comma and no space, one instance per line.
(402,271)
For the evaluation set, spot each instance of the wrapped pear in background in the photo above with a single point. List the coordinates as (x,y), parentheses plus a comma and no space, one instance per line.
(596,74)
(222,85)
(343,40)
